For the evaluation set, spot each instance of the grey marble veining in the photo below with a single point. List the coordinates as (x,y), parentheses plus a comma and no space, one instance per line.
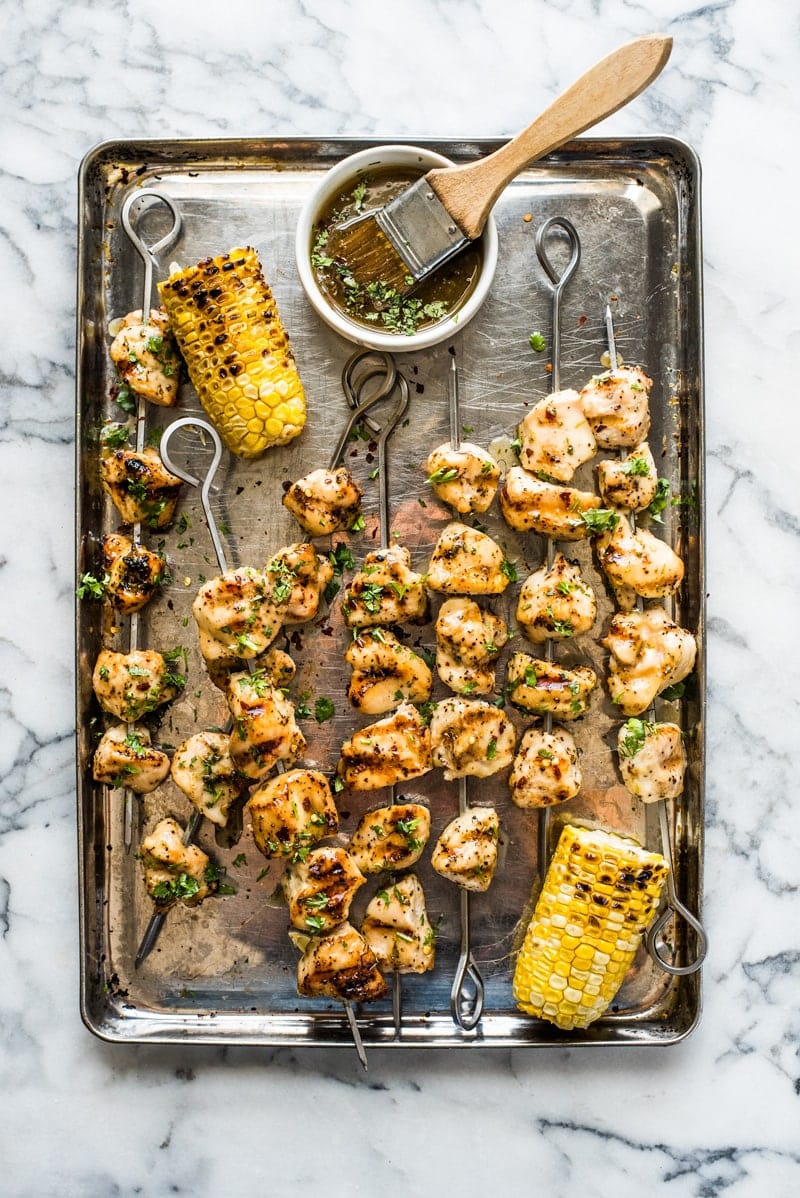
(717,1115)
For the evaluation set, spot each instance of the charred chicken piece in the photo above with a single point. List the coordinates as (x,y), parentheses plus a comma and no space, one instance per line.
(637,563)
(555,436)
(539,687)
(467,561)
(264,728)
(390,838)
(203,769)
(141,488)
(555,603)
(397,929)
(174,871)
(630,484)
(468,641)
(290,812)
(471,738)
(126,757)
(235,615)
(385,672)
(132,573)
(340,965)
(297,577)
(652,760)
(546,769)
(466,851)
(649,652)
(531,505)
(386,591)
(130,685)
(616,405)
(389,751)
(325,501)
(146,356)
(320,889)
(465,478)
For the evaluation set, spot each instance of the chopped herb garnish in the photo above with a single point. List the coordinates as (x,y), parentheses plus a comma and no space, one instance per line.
(510,570)
(537,342)
(659,500)
(91,587)
(636,733)
(636,466)
(600,519)
(443,475)
(324,709)
(491,749)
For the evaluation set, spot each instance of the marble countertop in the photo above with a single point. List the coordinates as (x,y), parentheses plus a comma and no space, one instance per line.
(717,1113)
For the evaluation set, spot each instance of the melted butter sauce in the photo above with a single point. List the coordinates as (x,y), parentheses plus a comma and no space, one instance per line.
(376,306)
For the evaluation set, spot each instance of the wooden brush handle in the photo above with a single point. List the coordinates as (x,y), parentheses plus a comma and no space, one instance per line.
(469,192)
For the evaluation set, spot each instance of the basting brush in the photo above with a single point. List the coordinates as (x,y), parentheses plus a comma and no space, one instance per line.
(435,217)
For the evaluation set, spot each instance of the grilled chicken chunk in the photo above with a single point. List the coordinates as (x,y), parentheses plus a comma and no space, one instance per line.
(546,769)
(340,965)
(290,812)
(466,561)
(539,687)
(397,929)
(264,728)
(390,838)
(555,603)
(235,615)
(390,751)
(385,672)
(203,769)
(471,738)
(320,889)
(141,488)
(465,478)
(468,641)
(126,757)
(132,573)
(274,666)
(146,356)
(637,563)
(386,591)
(173,870)
(296,578)
(130,685)
(555,436)
(325,501)
(616,405)
(652,760)
(649,652)
(531,505)
(629,484)
(466,851)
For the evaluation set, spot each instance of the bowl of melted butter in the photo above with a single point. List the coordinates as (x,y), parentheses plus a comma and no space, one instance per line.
(374,315)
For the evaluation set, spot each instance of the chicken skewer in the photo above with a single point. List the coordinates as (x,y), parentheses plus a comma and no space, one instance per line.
(673,907)
(148,255)
(353,382)
(467,992)
(156,923)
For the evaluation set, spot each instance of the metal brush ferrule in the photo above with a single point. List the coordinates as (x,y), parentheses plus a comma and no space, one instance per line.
(421,229)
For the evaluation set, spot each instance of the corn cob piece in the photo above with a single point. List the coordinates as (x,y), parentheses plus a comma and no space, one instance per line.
(599,895)
(227,326)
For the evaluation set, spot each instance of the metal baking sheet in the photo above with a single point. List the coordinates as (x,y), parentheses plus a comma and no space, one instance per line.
(225,972)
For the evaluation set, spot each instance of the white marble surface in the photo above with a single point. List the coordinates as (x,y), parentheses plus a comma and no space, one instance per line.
(717,1114)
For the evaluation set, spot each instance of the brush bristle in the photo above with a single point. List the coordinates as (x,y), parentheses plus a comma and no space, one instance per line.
(372,258)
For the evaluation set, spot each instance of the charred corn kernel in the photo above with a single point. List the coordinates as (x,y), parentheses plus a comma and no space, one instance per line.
(237,352)
(599,895)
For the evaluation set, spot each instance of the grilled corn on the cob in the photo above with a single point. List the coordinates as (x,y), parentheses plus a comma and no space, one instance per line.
(227,326)
(599,895)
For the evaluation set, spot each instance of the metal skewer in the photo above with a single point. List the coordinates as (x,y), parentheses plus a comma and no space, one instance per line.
(140,200)
(673,908)
(359,370)
(467,992)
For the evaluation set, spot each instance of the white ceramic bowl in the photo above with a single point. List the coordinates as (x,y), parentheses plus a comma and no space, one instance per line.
(335,181)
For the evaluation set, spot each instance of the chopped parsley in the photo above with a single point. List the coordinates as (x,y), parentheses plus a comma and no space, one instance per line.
(91,587)
(635,734)
(537,342)
(659,501)
(324,709)
(636,466)
(600,519)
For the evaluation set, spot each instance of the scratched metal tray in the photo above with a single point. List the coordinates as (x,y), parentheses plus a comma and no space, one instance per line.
(225,972)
